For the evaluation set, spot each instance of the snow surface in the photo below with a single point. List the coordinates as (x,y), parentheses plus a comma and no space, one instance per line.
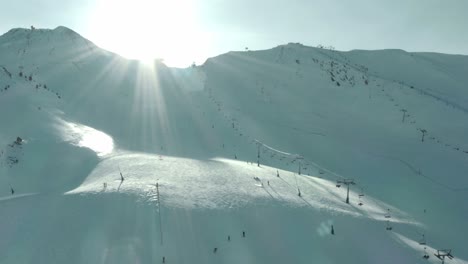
(185,142)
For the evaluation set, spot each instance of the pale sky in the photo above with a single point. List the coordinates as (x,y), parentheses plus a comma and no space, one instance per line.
(184,31)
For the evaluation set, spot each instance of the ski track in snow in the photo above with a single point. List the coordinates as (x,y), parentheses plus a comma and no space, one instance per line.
(221,184)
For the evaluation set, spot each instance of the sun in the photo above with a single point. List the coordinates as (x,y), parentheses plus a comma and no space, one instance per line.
(149,29)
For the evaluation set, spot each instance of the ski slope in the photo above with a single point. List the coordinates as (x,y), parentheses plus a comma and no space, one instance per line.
(112,161)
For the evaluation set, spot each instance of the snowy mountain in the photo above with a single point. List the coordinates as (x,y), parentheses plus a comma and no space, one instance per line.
(106,160)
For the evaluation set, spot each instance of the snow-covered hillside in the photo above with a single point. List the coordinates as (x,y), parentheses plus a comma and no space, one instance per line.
(105,160)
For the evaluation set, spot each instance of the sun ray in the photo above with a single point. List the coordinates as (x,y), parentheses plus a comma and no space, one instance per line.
(149,29)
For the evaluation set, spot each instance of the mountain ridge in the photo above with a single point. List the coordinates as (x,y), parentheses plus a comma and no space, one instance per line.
(173,153)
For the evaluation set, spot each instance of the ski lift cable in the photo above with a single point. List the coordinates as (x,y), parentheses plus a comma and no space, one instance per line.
(296,157)
(273,149)
(434,181)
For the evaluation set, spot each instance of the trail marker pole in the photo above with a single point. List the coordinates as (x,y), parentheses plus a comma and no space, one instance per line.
(258,154)
(159,212)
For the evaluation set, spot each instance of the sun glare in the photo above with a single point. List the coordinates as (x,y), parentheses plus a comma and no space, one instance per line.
(149,29)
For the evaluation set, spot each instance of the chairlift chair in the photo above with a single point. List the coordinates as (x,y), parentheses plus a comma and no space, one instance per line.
(361,194)
(423,240)
(387,215)
(338,184)
(388,226)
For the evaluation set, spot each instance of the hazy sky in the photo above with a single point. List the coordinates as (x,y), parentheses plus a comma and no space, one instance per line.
(183,31)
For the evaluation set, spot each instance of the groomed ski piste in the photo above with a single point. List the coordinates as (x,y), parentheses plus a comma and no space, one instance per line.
(243,159)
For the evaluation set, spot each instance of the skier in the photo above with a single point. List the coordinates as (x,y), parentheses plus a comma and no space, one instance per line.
(229,238)
(243,233)
(235,156)
(277,173)
(12,191)
(332,230)
(268,183)
(164,259)
(215,249)
(426,256)
(388,226)
(299,194)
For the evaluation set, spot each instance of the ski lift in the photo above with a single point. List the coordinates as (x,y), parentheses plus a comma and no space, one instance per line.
(387,215)
(388,226)
(423,240)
